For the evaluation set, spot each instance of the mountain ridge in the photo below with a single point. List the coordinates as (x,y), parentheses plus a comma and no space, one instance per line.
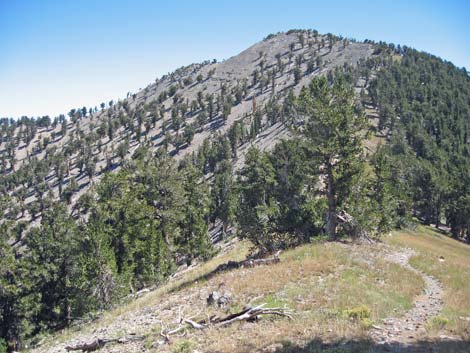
(227,75)
(299,137)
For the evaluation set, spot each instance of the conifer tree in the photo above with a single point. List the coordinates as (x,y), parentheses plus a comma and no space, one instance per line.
(54,250)
(257,209)
(194,241)
(224,194)
(335,131)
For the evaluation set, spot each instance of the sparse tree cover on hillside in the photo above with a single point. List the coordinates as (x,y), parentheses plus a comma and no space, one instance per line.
(113,212)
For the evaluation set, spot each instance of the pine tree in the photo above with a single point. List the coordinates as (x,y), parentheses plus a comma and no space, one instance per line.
(257,210)
(224,194)
(163,191)
(54,248)
(17,295)
(335,131)
(297,75)
(194,241)
(386,203)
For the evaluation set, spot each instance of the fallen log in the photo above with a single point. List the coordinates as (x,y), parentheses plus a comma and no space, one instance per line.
(248,263)
(248,314)
(100,343)
(88,347)
(251,314)
(229,266)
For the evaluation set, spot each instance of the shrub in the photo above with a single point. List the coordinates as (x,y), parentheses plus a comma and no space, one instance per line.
(183,347)
(366,323)
(3,346)
(439,322)
(359,313)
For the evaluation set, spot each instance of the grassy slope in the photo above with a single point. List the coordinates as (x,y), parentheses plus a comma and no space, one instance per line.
(453,271)
(326,284)
(320,282)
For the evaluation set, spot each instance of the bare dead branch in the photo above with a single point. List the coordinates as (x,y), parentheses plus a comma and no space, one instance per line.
(248,314)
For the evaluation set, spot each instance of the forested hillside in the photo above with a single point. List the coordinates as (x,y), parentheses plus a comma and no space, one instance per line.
(424,106)
(301,136)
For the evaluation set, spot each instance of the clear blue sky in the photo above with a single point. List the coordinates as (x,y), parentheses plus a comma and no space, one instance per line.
(57,55)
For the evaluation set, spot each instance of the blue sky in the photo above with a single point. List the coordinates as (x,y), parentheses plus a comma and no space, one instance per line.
(58,55)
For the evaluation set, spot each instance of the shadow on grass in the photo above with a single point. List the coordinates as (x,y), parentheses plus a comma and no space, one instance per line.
(368,346)
(444,230)
(230,265)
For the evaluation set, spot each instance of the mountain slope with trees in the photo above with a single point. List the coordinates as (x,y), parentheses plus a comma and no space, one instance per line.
(48,158)
(273,144)
(424,106)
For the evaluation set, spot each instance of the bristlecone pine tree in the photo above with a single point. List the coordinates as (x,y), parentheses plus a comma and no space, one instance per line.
(335,129)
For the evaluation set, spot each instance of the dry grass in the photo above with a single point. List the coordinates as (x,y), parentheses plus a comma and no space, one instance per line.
(321,282)
(336,291)
(453,271)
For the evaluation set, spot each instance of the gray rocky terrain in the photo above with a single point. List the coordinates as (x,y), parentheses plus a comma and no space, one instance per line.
(276,58)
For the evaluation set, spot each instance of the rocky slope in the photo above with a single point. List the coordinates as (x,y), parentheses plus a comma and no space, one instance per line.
(248,80)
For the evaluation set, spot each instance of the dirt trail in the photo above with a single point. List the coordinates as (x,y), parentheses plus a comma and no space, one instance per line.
(400,331)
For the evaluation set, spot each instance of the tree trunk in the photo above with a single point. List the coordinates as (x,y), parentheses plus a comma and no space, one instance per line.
(166,240)
(68,318)
(454,231)
(224,229)
(331,216)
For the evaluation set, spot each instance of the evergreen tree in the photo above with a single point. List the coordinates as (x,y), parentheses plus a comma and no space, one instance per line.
(163,191)
(297,75)
(18,296)
(335,131)
(257,209)
(194,240)
(54,248)
(224,194)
